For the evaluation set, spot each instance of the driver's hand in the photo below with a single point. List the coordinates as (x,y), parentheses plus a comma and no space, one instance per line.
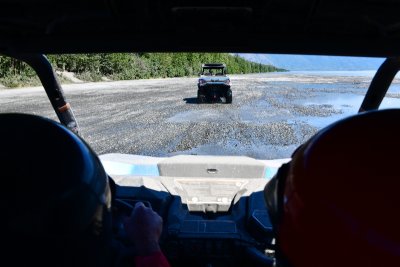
(143,228)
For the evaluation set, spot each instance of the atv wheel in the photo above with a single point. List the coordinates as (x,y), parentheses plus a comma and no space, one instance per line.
(228,96)
(200,99)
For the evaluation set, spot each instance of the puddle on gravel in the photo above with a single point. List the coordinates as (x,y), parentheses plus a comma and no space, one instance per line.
(345,105)
(196,116)
(304,107)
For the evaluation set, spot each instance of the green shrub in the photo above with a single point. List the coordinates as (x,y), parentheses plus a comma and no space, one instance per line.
(127,66)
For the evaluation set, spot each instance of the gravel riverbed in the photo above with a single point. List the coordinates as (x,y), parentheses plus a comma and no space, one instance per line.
(270,116)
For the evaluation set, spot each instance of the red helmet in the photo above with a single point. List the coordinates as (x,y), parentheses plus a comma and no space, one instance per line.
(337,203)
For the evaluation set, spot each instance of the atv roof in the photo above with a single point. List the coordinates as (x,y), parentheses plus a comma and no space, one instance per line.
(329,27)
(213,66)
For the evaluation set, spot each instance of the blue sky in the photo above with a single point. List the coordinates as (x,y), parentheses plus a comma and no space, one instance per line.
(316,63)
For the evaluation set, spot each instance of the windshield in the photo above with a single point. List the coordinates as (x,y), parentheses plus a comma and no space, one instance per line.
(213,71)
(139,106)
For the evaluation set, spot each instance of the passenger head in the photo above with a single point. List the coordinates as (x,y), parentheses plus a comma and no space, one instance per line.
(337,202)
(55,195)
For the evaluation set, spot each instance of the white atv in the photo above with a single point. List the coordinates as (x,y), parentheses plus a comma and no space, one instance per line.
(214,86)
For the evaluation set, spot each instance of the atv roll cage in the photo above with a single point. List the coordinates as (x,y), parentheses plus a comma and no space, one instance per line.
(51,84)
(213,66)
(380,84)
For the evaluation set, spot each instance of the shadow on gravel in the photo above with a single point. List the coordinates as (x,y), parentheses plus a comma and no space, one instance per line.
(190,100)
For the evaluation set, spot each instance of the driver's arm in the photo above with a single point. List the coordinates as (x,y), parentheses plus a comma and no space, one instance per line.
(144,228)
(153,260)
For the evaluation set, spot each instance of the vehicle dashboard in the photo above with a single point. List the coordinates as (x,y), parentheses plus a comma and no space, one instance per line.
(228,227)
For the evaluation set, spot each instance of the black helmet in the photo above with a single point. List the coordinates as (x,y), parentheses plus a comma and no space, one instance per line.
(337,202)
(55,193)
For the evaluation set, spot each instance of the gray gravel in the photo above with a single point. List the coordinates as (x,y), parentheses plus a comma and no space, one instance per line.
(270,115)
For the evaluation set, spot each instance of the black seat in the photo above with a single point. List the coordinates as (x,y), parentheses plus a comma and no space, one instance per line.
(53,191)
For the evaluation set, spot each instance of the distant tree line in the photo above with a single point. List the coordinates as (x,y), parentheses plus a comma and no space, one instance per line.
(126,66)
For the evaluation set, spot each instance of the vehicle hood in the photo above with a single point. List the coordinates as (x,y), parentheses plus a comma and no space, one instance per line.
(191,166)
(201,182)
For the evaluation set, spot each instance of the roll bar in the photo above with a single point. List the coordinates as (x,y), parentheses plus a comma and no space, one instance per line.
(52,86)
(380,84)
